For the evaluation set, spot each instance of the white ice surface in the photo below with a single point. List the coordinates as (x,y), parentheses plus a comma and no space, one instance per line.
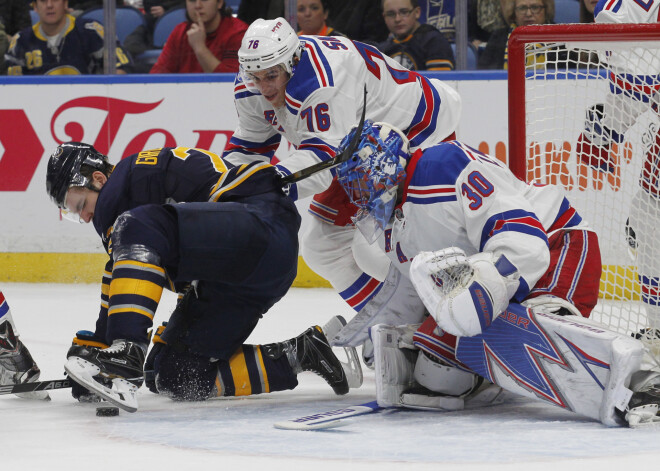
(237,434)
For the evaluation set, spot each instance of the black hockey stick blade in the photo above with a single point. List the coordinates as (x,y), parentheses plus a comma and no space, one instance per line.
(337,160)
(36,386)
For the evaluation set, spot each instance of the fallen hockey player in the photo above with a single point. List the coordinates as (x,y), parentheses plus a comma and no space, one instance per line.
(509,273)
(16,363)
(226,236)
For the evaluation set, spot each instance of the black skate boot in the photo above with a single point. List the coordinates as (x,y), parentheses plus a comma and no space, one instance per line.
(310,351)
(121,363)
(123,359)
(643,407)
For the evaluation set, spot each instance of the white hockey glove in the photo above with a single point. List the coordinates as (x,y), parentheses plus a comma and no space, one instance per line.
(463,294)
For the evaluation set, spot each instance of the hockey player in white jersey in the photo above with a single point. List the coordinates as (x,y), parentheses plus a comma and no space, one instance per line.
(633,96)
(16,363)
(310,91)
(508,272)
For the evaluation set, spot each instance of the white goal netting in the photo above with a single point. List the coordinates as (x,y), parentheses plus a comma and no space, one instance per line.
(584,116)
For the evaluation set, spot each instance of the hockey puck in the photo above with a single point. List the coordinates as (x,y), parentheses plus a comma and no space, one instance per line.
(107,411)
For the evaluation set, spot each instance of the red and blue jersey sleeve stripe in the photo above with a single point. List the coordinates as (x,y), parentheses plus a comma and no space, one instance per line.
(360,292)
(266,148)
(566,217)
(516,220)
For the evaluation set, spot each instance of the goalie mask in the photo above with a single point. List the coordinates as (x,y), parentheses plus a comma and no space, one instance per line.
(266,44)
(372,175)
(64,170)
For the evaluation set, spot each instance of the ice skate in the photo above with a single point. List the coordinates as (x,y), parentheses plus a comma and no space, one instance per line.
(16,364)
(121,363)
(643,408)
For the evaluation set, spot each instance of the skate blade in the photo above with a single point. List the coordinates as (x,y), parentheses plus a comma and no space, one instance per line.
(122,394)
(352,367)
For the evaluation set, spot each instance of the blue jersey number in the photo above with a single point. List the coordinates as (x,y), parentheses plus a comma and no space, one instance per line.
(318,115)
(476,189)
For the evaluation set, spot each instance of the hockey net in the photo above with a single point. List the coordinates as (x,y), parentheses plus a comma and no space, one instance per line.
(556,74)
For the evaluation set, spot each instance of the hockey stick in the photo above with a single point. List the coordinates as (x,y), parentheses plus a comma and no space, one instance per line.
(337,159)
(36,386)
(330,419)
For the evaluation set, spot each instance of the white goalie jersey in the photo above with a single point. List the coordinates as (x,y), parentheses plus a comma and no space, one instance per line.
(466,199)
(627,11)
(324,100)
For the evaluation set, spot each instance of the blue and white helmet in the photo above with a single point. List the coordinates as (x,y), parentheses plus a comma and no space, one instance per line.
(268,43)
(371,176)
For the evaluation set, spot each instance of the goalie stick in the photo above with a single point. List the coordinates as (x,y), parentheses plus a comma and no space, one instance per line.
(337,159)
(36,386)
(329,419)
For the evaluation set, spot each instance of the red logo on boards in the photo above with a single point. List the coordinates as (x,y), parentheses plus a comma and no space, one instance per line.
(22,149)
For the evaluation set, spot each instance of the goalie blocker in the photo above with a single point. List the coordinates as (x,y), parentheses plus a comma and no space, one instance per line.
(567,361)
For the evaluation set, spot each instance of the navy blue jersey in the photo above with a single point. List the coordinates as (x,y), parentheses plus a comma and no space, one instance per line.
(78,50)
(425,49)
(176,175)
(441,14)
(232,228)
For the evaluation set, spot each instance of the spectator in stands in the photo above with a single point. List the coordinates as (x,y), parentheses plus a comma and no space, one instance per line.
(207,42)
(361,20)
(484,17)
(516,13)
(59,44)
(142,37)
(489,15)
(587,8)
(15,15)
(412,44)
(154,9)
(312,18)
(250,10)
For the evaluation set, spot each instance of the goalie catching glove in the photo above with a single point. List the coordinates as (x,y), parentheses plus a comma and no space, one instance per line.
(463,294)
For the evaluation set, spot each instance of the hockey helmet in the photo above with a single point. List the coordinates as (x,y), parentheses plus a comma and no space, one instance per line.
(64,169)
(371,176)
(267,43)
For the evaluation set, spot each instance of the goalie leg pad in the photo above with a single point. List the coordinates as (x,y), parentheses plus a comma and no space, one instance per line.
(571,362)
(394,366)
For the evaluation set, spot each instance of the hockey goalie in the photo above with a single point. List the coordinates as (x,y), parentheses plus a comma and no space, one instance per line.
(498,278)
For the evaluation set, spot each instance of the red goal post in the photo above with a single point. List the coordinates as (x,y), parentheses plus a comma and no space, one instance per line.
(580,33)
(556,73)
